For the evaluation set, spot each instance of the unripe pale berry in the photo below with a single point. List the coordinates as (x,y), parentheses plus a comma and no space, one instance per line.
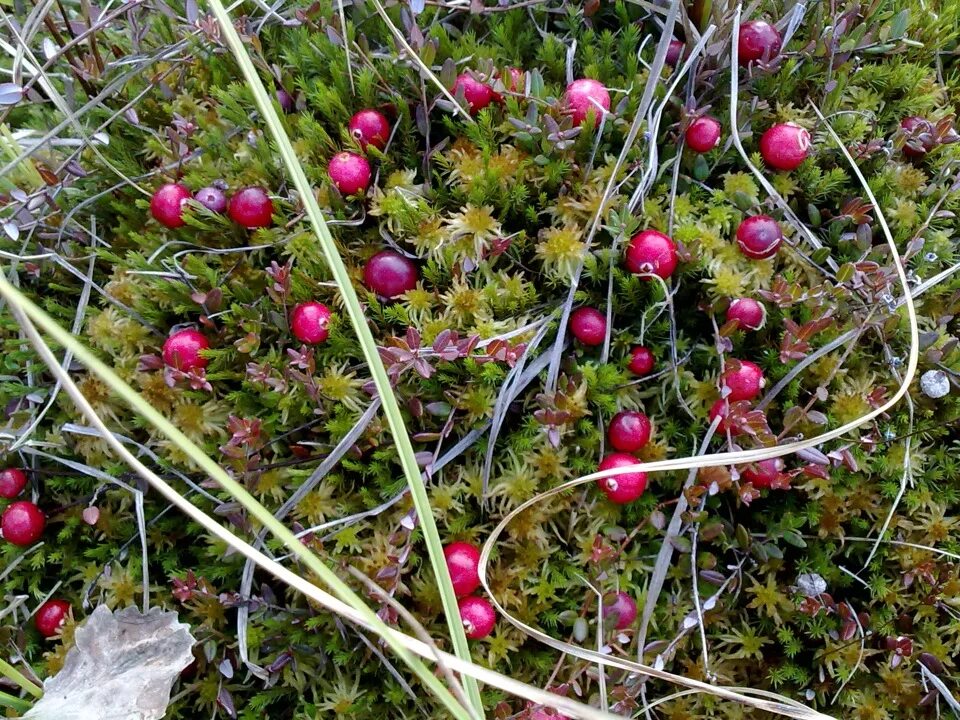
(390,274)
(167,204)
(370,127)
(583,96)
(349,172)
(785,146)
(251,208)
(212,198)
(762,474)
(759,237)
(749,313)
(629,431)
(621,607)
(12,482)
(22,523)
(463,563)
(51,616)
(588,325)
(703,134)
(625,487)
(745,381)
(641,360)
(477,94)
(651,251)
(310,322)
(182,350)
(758,39)
(478,616)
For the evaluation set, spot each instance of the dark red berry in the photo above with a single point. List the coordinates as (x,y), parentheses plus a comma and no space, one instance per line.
(478,616)
(583,96)
(22,523)
(759,237)
(763,474)
(182,350)
(703,134)
(51,616)
(370,127)
(651,251)
(758,40)
(251,208)
(920,136)
(310,322)
(641,360)
(390,274)
(749,313)
(620,607)
(167,204)
(675,52)
(744,378)
(629,431)
(212,198)
(477,94)
(785,146)
(463,563)
(285,101)
(349,172)
(721,408)
(12,482)
(588,325)
(625,487)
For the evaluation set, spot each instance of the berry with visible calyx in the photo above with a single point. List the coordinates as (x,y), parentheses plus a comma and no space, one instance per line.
(251,207)
(167,204)
(478,617)
(721,409)
(463,563)
(583,96)
(763,474)
(620,607)
(920,136)
(629,431)
(182,350)
(477,94)
(625,487)
(370,127)
(758,40)
(745,380)
(12,482)
(675,52)
(390,274)
(703,134)
(785,146)
(310,322)
(51,616)
(750,314)
(641,361)
(651,251)
(349,172)
(759,237)
(22,523)
(212,198)
(285,101)
(588,325)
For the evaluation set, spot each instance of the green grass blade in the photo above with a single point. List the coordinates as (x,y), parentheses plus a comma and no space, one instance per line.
(14,703)
(9,671)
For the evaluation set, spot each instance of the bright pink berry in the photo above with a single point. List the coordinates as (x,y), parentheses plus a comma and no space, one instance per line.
(703,134)
(22,523)
(625,487)
(758,40)
(513,80)
(675,52)
(478,616)
(251,207)
(370,127)
(721,409)
(477,94)
(651,251)
(588,325)
(12,482)
(182,350)
(545,713)
(785,146)
(390,274)
(310,322)
(463,563)
(212,198)
(285,101)
(759,237)
(620,607)
(167,203)
(641,360)
(629,431)
(745,380)
(750,313)
(349,172)
(51,616)
(764,473)
(920,138)
(583,96)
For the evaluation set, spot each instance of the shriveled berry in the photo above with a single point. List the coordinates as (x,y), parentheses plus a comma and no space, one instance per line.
(675,52)
(167,204)
(629,431)
(759,237)
(583,96)
(641,360)
(620,607)
(251,207)
(478,616)
(370,127)
(212,198)
(349,172)
(721,409)
(390,274)
(51,616)
(763,474)
(920,136)
(477,94)
(588,325)
(12,482)
(310,322)
(182,350)
(22,523)
(463,563)
(749,313)
(758,40)
(785,146)
(651,251)
(744,378)
(625,487)
(703,134)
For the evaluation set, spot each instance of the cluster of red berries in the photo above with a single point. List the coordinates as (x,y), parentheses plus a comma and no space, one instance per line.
(476,613)
(250,207)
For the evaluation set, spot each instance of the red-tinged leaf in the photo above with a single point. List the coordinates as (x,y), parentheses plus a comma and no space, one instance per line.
(413,338)
(848,630)
(423,368)
(441,341)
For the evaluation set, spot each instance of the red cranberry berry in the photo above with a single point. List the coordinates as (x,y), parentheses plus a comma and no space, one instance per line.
(349,172)
(583,96)
(182,350)
(758,40)
(759,237)
(703,134)
(920,137)
(463,562)
(478,616)
(652,252)
(22,523)
(620,607)
(745,382)
(370,127)
(785,146)
(251,207)
(721,409)
(749,313)
(285,101)
(675,52)
(310,322)
(629,431)
(166,205)
(764,473)
(477,94)
(641,360)
(212,198)
(588,325)
(12,482)
(51,616)
(390,274)
(625,487)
